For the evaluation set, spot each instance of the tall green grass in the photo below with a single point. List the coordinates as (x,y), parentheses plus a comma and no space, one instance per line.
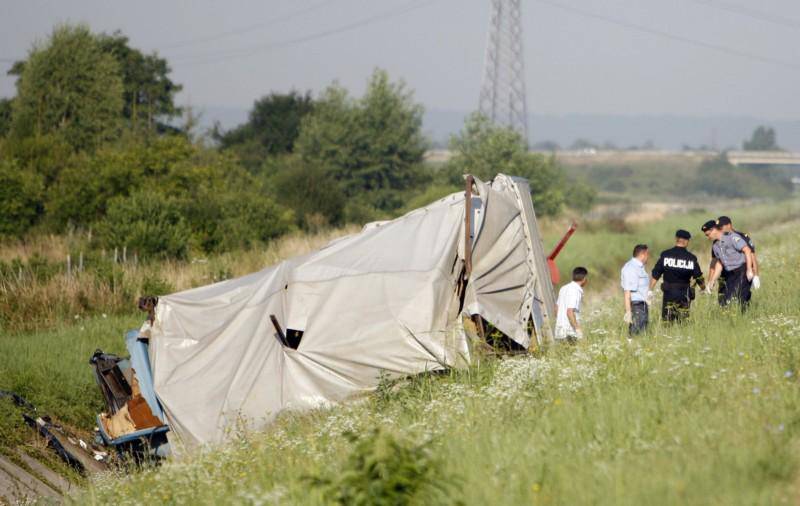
(702,413)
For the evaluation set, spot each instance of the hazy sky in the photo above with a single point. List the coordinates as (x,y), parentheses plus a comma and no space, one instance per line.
(582,56)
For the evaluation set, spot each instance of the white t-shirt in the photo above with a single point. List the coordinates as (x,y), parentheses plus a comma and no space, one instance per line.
(569,297)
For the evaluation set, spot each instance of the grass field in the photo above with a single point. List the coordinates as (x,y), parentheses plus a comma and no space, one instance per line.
(703,413)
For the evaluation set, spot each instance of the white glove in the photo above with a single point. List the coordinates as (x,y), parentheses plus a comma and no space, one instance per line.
(750,275)
(710,288)
(579,333)
(650,297)
(628,318)
(756,282)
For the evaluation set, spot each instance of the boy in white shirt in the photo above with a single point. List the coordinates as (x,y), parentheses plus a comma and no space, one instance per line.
(568,327)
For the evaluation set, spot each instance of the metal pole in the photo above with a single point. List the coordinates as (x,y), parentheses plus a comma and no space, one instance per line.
(468,226)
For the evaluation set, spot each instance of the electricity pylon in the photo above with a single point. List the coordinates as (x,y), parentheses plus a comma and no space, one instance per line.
(502,97)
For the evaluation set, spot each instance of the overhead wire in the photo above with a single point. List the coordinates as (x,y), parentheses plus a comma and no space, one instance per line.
(667,35)
(759,15)
(247,29)
(254,49)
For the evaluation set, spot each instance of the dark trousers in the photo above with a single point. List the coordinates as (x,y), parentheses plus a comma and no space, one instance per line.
(676,303)
(640,316)
(736,287)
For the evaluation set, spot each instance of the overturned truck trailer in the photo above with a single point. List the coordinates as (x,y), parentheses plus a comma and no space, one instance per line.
(319,328)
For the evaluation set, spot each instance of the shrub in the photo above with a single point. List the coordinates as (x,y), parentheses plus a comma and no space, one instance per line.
(308,189)
(152,284)
(146,222)
(385,470)
(20,199)
(248,219)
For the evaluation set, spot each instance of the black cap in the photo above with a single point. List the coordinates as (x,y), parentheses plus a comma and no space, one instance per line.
(683,234)
(708,225)
(723,220)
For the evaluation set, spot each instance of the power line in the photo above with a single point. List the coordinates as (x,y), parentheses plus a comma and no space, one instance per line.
(776,19)
(247,29)
(250,50)
(671,36)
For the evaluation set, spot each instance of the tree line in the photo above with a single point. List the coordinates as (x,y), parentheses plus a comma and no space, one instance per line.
(93,140)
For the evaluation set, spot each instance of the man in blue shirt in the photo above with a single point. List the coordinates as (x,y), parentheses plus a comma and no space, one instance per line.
(636,289)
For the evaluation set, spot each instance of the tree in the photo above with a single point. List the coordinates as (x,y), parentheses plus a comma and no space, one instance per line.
(69,87)
(148,92)
(763,139)
(373,146)
(271,129)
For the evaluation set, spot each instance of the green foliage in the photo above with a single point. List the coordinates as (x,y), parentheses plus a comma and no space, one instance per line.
(484,150)
(373,146)
(71,87)
(146,222)
(430,194)
(223,206)
(580,196)
(46,155)
(152,284)
(383,470)
(271,129)
(246,219)
(5,116)
(20,199)
(763,139)
(308,189)
(80,195)
(148,92)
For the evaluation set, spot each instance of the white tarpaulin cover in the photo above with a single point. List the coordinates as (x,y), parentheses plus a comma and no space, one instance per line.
(386,301)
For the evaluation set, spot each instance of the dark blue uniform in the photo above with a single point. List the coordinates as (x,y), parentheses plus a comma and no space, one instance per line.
(678,267)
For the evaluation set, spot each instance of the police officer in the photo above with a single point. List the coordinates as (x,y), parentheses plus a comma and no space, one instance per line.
(727,226)
(679,267)
(725,223)
(735,260)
